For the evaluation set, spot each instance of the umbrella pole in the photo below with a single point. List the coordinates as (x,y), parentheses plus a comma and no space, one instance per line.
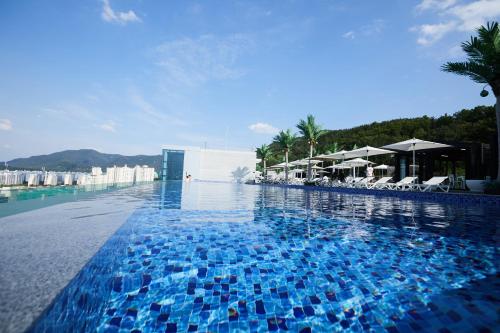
(413,160)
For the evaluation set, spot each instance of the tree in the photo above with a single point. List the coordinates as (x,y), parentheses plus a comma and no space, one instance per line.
(263,152)
(332,148)
(483,66)
(311,132)
(285,140)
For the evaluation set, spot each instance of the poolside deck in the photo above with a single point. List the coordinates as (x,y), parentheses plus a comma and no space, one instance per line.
(443,197)
(43,249)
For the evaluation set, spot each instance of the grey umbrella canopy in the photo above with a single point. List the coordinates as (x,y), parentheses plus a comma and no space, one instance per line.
(357,162)
(367,151)
(340,155)
(414,145)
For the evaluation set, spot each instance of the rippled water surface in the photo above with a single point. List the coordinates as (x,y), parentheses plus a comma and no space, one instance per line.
(227,257)
(18,200)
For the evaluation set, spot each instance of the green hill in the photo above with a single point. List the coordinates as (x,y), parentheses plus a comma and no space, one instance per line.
(82,160)
(476,125)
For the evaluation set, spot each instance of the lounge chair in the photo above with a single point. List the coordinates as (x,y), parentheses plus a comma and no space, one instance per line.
(381,183)
(323,181)
(434,184)
(364,182)
(354,181)
(404,184)
(335,183)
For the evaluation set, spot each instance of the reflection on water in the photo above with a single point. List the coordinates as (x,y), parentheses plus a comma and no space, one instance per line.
(220,257)
(14,201)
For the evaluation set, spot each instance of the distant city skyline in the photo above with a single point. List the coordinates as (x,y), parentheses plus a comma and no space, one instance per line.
(130,76)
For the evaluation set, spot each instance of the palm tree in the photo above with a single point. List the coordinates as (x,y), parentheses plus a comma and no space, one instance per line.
(311,132)
(482,66)
(285,140)
(263,152)
(333,148)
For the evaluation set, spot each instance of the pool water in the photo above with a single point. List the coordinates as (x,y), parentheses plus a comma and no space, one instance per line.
(227,257)
(18,200)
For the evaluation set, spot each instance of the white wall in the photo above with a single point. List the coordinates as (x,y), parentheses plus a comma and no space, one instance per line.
(223,165)
(192,163)
(218,165)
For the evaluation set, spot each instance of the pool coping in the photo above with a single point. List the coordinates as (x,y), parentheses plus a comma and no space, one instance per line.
(86,232)
(440,197)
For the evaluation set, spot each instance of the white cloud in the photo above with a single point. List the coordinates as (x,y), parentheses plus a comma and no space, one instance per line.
(108,126)
(192,62)
(454,17)
(5,125)
(375,27)
(263,128)
(109,15)
(349,35)
(430,33)
(151,112)
(476,13)
(434,5)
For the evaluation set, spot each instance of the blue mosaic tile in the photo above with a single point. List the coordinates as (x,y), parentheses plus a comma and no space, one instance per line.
(297,260)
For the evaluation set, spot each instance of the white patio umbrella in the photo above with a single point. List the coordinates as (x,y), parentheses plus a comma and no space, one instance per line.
(415,144)
(340,155)
(280,166)
(297,162)
(315,168)
(357,162)
(323,157)
(283,164)
(305,161)
(367,151)
(338,166)
(381,167)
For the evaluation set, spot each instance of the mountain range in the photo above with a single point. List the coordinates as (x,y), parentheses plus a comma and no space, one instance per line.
(82,160)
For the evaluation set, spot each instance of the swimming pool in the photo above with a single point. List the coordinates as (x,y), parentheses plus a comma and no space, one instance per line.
(13,201)
(228,257)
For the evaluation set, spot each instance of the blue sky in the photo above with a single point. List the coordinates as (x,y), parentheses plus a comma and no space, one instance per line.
(127,76)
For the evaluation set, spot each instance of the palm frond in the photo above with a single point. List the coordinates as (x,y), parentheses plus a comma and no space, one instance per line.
(263,152)
(310,130)
(489,34)
(483,57)
(285,139)
(478,73)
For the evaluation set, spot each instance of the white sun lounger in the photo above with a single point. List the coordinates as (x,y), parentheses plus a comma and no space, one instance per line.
(349,182)
(354,181)
(363,182)
(404,184)
(434,184)
(381,183)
